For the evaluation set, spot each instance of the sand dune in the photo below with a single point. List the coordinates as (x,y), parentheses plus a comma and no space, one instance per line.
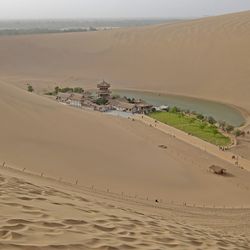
(110,153)
(206,58)
(40,214)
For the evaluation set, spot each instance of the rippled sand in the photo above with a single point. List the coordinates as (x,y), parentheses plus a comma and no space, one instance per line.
(43,214)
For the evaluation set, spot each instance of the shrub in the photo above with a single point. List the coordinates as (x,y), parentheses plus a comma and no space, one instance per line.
(101,101)
(211,120)
(200,116)
(229,128)
(222,125)
(192,120)
(238,132)
(30,88)
(202,126)
(215,131)
(57,89)
(115,97)
(175,110)
(78,90)
(66,90)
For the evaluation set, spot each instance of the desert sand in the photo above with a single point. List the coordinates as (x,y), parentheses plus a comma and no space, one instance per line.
(37,213)
(113,158)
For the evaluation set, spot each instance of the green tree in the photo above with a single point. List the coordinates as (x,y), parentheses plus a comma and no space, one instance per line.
(30,88)
(222,125)
(78,90)
(57,90)
(229,128)
(66,90)
(200,116)
(175,110)
(101,101)
(211,120)
(238,133)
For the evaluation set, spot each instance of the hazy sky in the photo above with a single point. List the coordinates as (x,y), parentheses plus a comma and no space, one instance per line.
(15,9)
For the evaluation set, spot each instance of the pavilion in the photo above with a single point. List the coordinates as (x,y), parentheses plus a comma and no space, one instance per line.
(104,91)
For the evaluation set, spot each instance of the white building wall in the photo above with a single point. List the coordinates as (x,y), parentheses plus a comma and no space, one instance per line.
(76,104)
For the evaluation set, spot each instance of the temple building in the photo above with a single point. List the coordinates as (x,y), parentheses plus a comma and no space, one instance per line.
(77,100)
(104,91)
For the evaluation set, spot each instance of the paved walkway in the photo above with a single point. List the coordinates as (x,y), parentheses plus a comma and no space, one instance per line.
(196,142)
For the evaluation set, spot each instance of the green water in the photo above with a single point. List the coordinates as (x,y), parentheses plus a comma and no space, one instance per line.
(219,111)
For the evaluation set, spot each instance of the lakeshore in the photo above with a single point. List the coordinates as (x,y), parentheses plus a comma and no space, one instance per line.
(220,111)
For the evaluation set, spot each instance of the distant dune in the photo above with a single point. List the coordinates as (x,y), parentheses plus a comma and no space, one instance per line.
(206,58)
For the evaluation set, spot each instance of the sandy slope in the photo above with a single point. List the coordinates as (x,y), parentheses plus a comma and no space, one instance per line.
(41,214)
(110,153)
(206,58)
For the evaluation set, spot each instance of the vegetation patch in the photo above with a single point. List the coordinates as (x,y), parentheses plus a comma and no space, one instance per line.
(77,90)
(30,88)
(101,101)
(195,125)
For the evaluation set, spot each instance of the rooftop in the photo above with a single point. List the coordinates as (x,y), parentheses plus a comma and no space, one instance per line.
(103,84)
(64,95)
(77,97)
(217,169)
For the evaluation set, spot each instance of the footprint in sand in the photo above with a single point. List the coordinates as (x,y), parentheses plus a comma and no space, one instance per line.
(104,229)
(196,243)
(24,198)
(92,242)
(3,180)
(101,221)
(127,239)
(53,224)
(137,222)
(35,192)
(9,235)
(165,239)
(74,222)
(81,199)
(18,221)
(15,227)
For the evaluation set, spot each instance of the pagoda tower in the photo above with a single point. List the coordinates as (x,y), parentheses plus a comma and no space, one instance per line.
(103,90)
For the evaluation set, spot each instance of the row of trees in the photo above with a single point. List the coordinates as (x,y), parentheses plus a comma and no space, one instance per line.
(57,90)
(68,90)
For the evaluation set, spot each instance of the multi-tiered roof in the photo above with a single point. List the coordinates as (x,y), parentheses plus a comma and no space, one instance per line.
(104,91)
